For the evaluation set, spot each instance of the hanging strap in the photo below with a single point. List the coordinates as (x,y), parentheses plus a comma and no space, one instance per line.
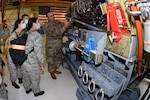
(18,47)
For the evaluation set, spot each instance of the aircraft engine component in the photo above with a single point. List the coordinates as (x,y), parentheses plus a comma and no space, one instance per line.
(72,45)
(90,11)
(147,36)
(100,91)
(102,69)
(90,45)
(85,78)
(91,86)
(116,20)
(80,71)
(144,11)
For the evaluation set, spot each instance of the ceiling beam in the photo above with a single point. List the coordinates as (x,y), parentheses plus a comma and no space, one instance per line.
(48,3)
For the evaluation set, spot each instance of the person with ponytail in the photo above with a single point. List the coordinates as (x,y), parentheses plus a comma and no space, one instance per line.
(33,66)
(15,70)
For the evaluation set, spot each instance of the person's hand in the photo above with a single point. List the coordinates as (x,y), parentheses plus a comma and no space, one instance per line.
(68,23)
(70,20)
(42,70)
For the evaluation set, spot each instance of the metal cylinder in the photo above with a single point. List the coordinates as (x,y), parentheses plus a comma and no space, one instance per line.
(147,36)
(72,45)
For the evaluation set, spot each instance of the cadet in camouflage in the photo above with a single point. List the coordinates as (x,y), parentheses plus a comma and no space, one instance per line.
(53,30)
(15,70)
(34,64)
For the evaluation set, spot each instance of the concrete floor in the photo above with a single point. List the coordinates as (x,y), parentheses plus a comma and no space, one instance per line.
(64,88)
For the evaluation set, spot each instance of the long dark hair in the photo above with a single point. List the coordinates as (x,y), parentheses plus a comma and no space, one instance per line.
(17,22)
(24,15)
(30,23)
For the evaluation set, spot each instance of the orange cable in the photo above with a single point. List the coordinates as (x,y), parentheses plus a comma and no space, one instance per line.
(140,37)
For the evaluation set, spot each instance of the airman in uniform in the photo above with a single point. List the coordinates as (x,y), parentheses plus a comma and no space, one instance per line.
(15,70)
(35,62)
(54,30)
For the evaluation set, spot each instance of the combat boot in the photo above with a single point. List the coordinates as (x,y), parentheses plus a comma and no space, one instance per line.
(20,80)
(38,94)
(53,75)
(5,84)
(28,91)
(15,85)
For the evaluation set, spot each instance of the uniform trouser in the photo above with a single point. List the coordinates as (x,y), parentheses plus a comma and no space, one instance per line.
(3,92)
(3,98)
(15,71)
(54,59)
(31,79)
(53,54)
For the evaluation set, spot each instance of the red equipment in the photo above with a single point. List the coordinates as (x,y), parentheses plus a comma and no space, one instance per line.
(116,21)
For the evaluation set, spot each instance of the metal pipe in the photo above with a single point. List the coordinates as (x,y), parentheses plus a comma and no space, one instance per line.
(82,51)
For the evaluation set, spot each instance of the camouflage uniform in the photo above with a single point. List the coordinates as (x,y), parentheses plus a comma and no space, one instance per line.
(5,34)
(35,60)
(15,71)
(53,30)
(3,91)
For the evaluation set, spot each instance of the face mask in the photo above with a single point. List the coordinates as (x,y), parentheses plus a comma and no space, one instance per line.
(38,26)
(23,26)
(26,21)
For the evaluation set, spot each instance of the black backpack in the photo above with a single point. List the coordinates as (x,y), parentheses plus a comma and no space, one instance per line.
(18,56)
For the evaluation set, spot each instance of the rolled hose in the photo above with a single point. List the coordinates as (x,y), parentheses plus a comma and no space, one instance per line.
(100,91)
(140,37)
(80,71)
(91,86)
(85,78)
